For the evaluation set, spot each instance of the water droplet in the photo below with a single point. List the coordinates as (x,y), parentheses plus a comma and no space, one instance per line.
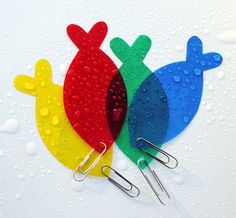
(221,117)
(49,172)
(42,83)
(116,114)
(227,37)
(197,72)
(122,165)
(10,126)
(208,107)
(87,69)
(220,75)
(62,69)
(21,177)
(185,72)
(77,186)
(48,132)
(18,196)
(178,179)
(163,98)
(203,63)
(9,95)
(55,120)
(2,154)
(86,110)
(210,87)
(44,112)
(77,114)
(179,47)
(31,148)
(29,86)
(176,78)
(75,97)
(217,58)
(186,119)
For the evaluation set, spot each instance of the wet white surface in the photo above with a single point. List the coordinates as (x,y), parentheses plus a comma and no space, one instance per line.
(34,184)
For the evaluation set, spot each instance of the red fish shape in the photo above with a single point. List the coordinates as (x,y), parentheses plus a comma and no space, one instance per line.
(91,77)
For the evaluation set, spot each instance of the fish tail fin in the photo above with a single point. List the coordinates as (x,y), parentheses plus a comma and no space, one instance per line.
(93,38)
(31,85)
(136,52)
(195,55)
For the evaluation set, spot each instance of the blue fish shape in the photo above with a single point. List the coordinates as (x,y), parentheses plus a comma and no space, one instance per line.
(159,117)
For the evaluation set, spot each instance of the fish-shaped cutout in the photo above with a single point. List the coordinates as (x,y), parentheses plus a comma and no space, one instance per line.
(183,84)
(86,87)
(62,141)
(133,71)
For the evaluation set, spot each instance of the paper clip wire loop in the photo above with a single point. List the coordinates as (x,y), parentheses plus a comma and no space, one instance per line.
(157,180)
(90,168)
(121,187)
(168,156)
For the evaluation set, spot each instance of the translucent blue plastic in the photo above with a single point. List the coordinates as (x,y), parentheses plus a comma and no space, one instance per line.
(149,113)
(182,83)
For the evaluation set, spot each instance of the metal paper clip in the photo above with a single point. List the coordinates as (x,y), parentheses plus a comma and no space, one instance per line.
(169,157)
(157,180)
(85,173)
(128,190)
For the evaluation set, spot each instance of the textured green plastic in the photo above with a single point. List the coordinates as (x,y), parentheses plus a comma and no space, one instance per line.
(134,72)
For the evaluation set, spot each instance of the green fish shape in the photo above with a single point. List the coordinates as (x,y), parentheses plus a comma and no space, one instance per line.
(134,72)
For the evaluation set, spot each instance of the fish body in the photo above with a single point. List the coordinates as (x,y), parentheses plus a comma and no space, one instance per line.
(60,138)
(182,83)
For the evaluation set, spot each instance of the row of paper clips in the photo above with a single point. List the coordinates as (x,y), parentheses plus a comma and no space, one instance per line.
(130,189)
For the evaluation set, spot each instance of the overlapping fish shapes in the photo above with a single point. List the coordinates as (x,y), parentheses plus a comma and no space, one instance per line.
(133,71)
(91,77)
(100,104)
(62,141)
(159,118)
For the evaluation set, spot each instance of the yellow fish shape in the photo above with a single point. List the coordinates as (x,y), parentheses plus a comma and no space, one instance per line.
(61,139)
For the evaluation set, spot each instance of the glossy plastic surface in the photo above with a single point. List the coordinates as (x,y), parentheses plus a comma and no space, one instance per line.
(86,87)
(182,83)
(134,72)
(62,141)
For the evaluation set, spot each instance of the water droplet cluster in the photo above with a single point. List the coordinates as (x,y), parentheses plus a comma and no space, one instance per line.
(94,92)
(180,86)
(92,107)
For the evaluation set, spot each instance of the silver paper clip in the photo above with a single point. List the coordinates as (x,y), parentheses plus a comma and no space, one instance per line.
(126,190)
(169,158)
(85,173)
(156,179)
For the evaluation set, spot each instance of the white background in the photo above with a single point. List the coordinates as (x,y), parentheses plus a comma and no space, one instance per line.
(39,186)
